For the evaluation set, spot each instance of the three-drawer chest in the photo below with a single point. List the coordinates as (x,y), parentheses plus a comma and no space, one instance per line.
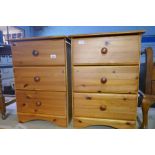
(40,71)
(105,79)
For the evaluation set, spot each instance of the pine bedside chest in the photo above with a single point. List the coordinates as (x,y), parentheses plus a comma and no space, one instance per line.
(105,73)
(40,71)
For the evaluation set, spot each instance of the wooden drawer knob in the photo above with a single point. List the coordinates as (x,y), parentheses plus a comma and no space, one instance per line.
(36,78)
(103,80)
(103,107)
(104,50)
(24,104)
(38,103)
(35,53)
(88,98)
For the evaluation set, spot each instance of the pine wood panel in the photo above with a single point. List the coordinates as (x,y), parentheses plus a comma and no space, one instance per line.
(105,34)
(58,120)
(121,50)
(39,102)
(109,106)
(38,38)
(51,78)
(51,52)
(120,79)
(81,122)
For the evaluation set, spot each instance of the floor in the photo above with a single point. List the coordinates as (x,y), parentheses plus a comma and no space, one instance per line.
(12,123)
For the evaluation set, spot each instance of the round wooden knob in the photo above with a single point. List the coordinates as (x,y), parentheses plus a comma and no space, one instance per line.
(88,98)
(36,78)
(103,107)
(103,80)
(104,50)
(38,103)
(35,53)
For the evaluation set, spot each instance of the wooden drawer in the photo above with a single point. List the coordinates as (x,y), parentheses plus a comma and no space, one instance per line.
(115,50)
(41,102)
(37,53)
(80,122)
(110,79)
(110,106)
(40,78)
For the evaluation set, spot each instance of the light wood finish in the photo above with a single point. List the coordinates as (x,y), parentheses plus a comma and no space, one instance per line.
(105,79)
(119,79)
(49,78)
(109,106)
(58,120)
(81,122)
(48,52)
(40,69)
(149,97)
(39,102)
(119,50)
(37,38)
(105,34)
(148,101)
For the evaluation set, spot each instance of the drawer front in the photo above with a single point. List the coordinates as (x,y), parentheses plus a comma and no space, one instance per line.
(40,78)
(38,102)
(106,50)
(110,79)
(110,106)
(80,122)
(36,53)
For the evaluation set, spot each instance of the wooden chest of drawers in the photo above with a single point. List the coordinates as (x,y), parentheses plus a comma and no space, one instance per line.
(105,70)
(40,70)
